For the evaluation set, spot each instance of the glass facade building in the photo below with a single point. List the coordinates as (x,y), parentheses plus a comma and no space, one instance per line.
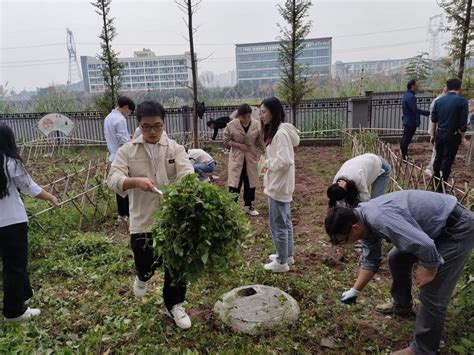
(257,63)
(144,71)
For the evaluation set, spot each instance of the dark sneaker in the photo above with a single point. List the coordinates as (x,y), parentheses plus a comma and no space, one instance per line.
(390,308)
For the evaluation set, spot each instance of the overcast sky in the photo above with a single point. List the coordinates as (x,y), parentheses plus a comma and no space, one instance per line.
(33,33)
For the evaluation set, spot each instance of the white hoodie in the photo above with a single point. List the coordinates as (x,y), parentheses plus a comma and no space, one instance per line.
(279,178)
(363,170)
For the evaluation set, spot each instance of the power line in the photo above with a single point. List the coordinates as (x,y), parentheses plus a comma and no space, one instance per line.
(160,44)
(31,61)
(379,46)
(34,46)
(32,64)
(206,44)
(379,32)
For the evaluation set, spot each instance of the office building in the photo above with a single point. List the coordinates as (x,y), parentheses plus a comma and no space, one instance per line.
(143,71)
(257,63)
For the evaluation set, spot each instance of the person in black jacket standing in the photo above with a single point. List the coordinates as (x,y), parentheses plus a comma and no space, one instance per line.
(411,116)
(449,124)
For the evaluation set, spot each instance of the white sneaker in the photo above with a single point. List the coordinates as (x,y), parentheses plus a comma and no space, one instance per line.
(180,316)
(289,260)
(122,219)
(251,211)
(276,267)
(428,172)
(27,302)
(29,313)
(139,287)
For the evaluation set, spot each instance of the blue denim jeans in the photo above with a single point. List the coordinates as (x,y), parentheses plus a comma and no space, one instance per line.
(203,169)
(279,214)
(379,187)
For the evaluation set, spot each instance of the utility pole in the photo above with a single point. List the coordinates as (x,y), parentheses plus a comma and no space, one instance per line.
(435,27)
(74,71)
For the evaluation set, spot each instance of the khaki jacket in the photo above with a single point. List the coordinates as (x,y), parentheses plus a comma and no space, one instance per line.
(169,163)
(234,132)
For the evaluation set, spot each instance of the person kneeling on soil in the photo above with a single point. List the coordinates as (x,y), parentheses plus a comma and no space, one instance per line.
(140,166)
(352,181)
(203,163)
(439,245)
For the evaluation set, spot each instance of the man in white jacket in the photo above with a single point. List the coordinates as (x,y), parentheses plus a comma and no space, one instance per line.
(148,162)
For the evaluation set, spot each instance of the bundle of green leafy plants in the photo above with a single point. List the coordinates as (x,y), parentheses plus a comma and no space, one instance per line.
(198,228)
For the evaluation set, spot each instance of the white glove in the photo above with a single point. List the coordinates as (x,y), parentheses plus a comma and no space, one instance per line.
(350,296)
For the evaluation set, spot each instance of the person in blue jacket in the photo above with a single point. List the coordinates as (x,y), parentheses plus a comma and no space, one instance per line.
(411,116)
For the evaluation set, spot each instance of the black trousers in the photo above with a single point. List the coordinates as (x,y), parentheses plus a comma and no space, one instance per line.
(447,145)
(146,264)
(408,133)
(249,192)
(16,283)
(122,206)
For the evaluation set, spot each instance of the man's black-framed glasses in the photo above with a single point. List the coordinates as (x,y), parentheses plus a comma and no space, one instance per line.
(338,241)
(148,128)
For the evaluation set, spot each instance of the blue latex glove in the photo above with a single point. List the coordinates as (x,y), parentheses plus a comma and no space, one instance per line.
(350,296)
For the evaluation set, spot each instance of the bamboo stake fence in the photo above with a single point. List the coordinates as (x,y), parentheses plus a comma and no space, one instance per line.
(85,191)
(406,174)
(82,189)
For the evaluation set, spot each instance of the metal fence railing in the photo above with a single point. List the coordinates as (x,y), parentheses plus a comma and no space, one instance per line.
(322,118)
(386,115)
(331,114)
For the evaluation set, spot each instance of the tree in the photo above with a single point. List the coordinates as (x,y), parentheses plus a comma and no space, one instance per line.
(294,82)
(7,107)
(54,100)
(112,68)
(189,7)
(419,67)
(460,16)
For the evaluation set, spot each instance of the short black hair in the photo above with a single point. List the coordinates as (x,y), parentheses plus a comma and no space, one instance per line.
(411,83)
(339,221)
(210,123)
(150,109)
(453,84)
(126,101)
(243,109)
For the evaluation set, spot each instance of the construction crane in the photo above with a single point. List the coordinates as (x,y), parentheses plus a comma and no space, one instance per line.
(74,71)
(435,28)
